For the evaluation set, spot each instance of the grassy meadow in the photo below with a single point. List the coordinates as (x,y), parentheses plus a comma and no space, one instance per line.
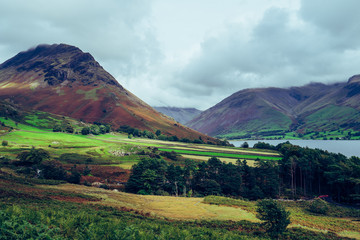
(33,208)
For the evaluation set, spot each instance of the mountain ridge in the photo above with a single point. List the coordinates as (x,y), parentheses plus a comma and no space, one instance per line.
(181,115)
(61,79)
(280,110)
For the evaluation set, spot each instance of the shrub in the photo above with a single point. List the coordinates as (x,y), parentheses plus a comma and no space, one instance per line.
(74,176)
(53,170)
(5,143)
(245,145)
(57,128)
(274,215)
(319,206)
(69,129)
(161,193)
(75,158)
(34,156)
(85,131)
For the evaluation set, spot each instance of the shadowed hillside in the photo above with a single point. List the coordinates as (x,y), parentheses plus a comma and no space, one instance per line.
(182,115)
(62,79)
(275,111)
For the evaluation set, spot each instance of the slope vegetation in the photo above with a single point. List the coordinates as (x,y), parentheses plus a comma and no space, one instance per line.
(61,79)
(314,108)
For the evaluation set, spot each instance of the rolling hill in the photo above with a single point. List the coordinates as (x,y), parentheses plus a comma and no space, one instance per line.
(182,115)
(263,112)
(61,79)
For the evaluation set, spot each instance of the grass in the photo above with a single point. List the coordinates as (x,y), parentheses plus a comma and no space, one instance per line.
(64,211)
(227,160)
(216,154)
(163,206)
(16,125)
(75,211)
(339,219)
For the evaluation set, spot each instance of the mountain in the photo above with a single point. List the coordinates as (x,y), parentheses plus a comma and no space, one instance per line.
(275,111)
(181,115)
(61,79)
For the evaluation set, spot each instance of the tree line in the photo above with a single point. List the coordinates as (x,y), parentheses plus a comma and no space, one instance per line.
(302,172)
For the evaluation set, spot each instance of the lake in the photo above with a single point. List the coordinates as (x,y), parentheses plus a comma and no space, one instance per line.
(347,147)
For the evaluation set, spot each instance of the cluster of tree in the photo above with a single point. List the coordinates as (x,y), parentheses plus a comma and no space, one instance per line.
(301,172)
(36,162)
(96,129)
(154,176)
(63,127)
(307,172)
(134,132)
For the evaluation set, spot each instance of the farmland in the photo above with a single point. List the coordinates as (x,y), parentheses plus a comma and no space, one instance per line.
(50,204)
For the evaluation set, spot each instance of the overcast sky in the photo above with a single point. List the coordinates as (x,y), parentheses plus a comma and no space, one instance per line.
(194,53)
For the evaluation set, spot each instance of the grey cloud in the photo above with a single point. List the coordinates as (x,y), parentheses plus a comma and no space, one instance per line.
(278,53)
(318,42)
(337,17)
(114,31)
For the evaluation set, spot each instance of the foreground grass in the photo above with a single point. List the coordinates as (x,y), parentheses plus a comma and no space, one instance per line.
(340,220)
(54,210)
(60,221)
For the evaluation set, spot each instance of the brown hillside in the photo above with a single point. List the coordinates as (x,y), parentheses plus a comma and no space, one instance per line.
(62,79)
(314,107)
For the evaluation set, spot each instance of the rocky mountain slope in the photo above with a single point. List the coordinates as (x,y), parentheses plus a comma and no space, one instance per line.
(61,79)
(181,115)
(272,111)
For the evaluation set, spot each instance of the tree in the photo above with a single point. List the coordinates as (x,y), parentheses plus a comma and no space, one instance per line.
(57,128)
(34,156)
(4,143)
(147,176)
(103,129)
(53,170)
(85,131)
(245,145)
(74,176)
(69,129)
(175,177)
(158,133)
(274,215)
(94,129)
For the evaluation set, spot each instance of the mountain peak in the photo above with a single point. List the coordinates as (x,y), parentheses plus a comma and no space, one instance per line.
(354,79)
(60,63)
(61,79)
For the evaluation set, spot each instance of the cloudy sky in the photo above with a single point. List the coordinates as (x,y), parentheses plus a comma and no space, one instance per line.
(194,53)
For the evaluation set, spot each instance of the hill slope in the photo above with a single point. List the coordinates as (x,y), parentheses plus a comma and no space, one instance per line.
(274,111)
(182,115)
(61,79)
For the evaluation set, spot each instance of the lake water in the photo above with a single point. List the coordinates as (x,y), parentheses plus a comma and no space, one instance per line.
(347,147)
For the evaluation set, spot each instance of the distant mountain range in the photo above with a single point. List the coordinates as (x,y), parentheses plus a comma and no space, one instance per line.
(275,111)
(182,115)
(61,79)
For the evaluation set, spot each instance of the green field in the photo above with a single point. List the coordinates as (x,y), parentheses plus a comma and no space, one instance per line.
(217,154)
(49,209)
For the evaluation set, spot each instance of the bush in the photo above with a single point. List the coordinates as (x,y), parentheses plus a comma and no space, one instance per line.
(274,215)
(85,131)
(57,128)
(53,170)
(245,145)
(161,193)
(319,206)
(5,143)
(74,176)
(69,129)
(34,156)
(75,158)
